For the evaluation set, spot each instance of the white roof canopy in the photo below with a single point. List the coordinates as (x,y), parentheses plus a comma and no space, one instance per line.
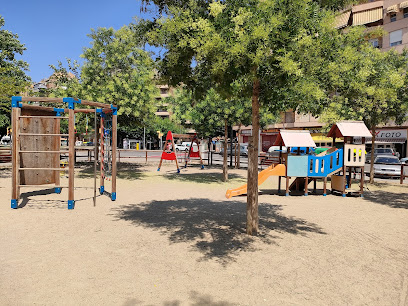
(295,138)
(349,129)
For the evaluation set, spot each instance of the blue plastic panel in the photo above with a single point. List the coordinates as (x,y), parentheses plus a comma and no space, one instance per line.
(297,166)
(321,166)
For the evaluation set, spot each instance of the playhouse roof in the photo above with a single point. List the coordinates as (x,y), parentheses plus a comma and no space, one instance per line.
(295,138)
(349,129)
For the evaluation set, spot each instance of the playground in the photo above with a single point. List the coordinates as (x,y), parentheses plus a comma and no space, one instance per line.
(174,239)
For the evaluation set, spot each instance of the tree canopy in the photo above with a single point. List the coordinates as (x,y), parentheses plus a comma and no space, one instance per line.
(117,71)
(275,50)
(13,78)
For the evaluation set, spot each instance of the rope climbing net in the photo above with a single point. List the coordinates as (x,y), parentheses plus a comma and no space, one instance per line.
(106,147)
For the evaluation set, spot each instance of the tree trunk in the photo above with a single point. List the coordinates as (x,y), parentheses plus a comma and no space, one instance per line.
(372,155)
(238,165)
(252,184)
(225,161)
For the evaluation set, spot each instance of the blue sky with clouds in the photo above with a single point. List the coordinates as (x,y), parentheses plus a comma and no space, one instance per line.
(55,30)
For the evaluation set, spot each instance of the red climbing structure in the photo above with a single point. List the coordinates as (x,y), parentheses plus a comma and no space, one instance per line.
(194,154)
(169,151)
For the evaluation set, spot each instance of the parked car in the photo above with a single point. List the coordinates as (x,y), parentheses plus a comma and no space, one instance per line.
(243,149)
(385,165)
(5,140)
(185,146)
(404,160)
(275,150)
(383,151)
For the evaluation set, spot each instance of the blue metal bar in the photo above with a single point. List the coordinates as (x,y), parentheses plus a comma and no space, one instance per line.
(15,101)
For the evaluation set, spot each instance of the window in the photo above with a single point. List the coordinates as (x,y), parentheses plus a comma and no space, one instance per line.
(374,42)
(406,12)
(163,91)
(393,17)
(395,38)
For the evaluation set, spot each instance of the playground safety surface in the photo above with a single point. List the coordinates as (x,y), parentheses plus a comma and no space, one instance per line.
(173,239)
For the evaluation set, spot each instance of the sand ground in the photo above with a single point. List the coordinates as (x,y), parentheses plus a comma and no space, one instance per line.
(175,240)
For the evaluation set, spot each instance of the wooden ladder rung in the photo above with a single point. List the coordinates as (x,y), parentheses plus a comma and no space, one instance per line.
(42,186)
(43,151)
(44,117)
(50,169)
(33,134)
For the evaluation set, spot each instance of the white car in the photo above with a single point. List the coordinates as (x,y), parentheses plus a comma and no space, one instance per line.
(385,165)
(185,146)
(275,150)
(404,160)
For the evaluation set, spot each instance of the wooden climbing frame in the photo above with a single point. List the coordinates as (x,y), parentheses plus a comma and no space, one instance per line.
(36,142)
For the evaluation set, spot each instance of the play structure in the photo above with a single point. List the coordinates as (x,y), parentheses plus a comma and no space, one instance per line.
(194,151)
(36,144)
(169,150)
(336,162)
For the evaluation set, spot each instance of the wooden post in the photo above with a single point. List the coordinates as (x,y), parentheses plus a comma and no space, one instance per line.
(344,181)
(102,178)
(287,186)
(95,152)
(71,160)
(146,155)
(225,154)
(57,176)
(114,146)
(362,182)
(306,183)
(279,184)
(199,154)
(15,156)
(314,185)
(325,186)
(174,148)
(362,172)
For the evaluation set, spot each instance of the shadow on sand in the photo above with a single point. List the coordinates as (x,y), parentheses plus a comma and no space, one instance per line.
(204,177)
(391,199)
(124,171)
(196,299)
(216,229)
(5,173)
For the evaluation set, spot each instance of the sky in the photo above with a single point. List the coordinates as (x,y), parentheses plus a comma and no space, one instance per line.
(55,30)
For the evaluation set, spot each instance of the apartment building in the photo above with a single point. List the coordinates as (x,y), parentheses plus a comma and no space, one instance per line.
(162,108)
(390,15)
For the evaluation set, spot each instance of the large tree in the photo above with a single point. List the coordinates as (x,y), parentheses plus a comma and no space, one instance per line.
(13,78)
(275,49)
(372,86)
(115,70)
(212,115)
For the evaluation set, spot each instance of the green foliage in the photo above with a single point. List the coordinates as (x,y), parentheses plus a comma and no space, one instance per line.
(164,4)
(283,44)
(116,71)
(13,78)
(370,85)
(207,116)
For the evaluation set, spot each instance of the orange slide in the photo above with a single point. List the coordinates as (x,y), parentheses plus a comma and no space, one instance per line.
(273,170)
